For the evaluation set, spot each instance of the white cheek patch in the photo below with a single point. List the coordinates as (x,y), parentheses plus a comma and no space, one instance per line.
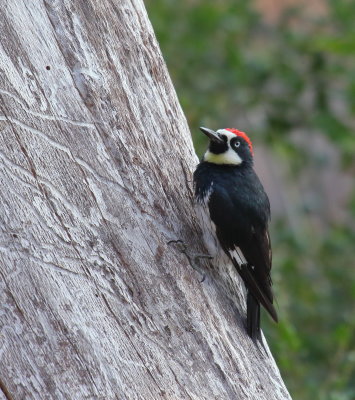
(229,157)
(237,256)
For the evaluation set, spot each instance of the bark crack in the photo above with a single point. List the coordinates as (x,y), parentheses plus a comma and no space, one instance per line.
(133,345)
(45,193)
(5,391)
(83,124)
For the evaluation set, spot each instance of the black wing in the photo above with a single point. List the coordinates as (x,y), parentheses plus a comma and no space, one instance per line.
(241,219)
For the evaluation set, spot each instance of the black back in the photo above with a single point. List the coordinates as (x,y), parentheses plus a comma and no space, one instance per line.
(240,209)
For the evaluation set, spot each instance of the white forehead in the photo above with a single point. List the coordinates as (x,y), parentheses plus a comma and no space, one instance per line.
(228,134)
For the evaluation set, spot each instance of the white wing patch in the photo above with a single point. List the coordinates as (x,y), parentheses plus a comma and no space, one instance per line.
(237,256)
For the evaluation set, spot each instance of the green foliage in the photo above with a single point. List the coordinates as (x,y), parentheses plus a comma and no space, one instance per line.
(229,65)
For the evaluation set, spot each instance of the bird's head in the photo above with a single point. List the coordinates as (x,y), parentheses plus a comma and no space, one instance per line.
(228,146)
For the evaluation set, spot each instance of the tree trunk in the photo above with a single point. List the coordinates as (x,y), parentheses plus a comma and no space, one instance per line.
(97,162)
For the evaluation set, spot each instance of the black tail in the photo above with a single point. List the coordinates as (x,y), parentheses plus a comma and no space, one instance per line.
(253,317)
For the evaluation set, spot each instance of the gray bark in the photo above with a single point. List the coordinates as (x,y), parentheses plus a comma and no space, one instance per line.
(96,167)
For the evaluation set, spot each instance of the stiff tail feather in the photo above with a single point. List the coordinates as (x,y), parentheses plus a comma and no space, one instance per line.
(253,317)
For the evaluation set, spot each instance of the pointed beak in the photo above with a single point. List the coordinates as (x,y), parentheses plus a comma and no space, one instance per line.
(212,135)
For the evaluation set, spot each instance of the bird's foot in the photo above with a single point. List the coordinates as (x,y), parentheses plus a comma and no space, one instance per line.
(192,258)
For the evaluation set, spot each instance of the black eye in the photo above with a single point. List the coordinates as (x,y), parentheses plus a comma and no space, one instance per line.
(237,144)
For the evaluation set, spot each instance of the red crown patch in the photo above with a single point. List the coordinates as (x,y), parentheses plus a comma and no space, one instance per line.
(242,135)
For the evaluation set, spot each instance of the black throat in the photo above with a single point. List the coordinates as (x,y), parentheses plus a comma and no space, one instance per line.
(217,147)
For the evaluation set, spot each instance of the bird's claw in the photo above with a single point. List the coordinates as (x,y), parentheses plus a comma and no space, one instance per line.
(193,259)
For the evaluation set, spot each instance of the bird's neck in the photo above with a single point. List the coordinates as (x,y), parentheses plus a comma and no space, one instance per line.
(217,160)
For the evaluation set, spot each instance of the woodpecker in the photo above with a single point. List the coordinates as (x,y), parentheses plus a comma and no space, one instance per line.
(226,184)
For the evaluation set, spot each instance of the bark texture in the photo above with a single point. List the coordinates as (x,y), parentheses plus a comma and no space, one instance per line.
(96,164)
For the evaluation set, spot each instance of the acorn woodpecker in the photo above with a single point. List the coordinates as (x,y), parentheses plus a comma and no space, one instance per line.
(227,185)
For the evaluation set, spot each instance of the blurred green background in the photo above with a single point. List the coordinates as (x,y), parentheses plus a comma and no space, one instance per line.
(286,76)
